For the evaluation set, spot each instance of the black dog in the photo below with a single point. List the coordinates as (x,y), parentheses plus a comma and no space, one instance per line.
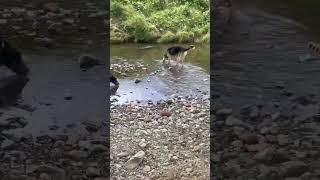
(114,80)
(114,85)
(11,58)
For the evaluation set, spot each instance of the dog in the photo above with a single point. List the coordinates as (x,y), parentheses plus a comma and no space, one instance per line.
(114,80)
(114,84)
(177,53)
(314,48)
(11,58)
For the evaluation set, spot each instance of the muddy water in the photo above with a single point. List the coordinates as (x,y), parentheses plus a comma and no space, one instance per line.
(161,83)
(260,52)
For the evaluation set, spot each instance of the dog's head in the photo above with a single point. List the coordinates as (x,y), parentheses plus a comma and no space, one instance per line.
(192,47)
(11,58)
(114,80)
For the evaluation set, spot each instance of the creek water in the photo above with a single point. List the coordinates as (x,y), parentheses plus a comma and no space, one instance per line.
(191,80)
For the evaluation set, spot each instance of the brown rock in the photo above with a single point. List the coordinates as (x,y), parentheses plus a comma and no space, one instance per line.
(166,113)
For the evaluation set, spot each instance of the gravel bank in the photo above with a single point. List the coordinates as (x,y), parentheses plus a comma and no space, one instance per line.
(168,140)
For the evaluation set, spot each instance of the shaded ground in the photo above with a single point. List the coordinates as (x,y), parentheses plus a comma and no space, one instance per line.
(261,52)
(265,112)
(57,130)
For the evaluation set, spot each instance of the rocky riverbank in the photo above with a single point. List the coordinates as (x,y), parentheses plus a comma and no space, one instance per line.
(265,115)
(67,146)
(46,157)
(54,23)
(167,140)
(267,141)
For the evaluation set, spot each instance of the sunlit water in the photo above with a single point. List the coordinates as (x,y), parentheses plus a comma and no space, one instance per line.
(192,80)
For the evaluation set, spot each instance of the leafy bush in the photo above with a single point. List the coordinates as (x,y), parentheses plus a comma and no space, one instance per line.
(165,20)
(206,38)
(140,29)
(184,37)
(168,37)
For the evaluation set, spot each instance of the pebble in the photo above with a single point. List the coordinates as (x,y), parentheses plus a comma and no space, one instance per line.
(135,160)
(92,172)
(146,168)
(77,154)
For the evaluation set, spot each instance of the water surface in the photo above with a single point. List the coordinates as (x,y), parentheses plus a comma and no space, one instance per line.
(158,82)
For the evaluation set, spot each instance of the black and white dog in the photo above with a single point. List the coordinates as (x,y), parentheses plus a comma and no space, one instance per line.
(11,58)
(177,53)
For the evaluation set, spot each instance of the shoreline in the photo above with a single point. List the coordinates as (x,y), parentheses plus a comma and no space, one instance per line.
(182,121)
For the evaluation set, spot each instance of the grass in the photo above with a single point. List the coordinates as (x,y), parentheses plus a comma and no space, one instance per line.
(162,21)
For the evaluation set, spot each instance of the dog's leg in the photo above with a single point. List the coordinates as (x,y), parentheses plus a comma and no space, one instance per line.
(177,60)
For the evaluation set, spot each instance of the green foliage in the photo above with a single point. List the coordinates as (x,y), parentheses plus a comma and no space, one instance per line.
(168,37)
(140,29)
(206,38)
(184,36)
(168,20)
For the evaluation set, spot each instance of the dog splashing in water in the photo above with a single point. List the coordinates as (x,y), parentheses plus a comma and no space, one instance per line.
(177,53)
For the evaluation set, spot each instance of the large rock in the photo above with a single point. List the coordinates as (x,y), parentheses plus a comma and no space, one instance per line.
(88,61)
(11,86)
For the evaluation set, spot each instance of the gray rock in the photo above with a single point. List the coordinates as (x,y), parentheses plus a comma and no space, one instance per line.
(135,160)
(122,154)
(55,28)
(58,144)
(54,172)
(3,21)
(93,172)
(267,173)
(78,155)
(86,145)
(44,41)
(224,112)
(233,121)
(6,144)
(98,14)
(93,124)
(271,156)
(283,139)
(69,21)
(44,176)
(293,168)
(88,61)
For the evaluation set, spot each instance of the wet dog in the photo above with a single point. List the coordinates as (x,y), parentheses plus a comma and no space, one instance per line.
(177,53)
(11,58)
(114,84)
